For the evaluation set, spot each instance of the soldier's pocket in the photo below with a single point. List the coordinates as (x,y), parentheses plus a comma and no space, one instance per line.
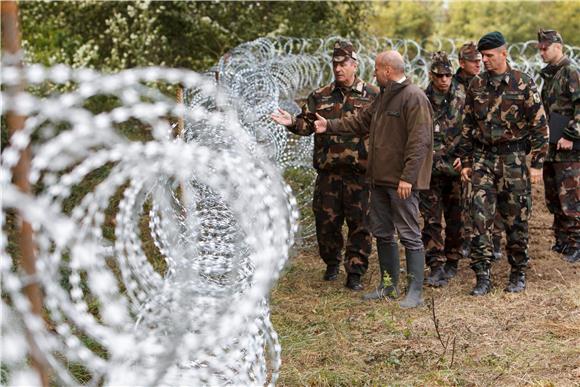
(512,104)
(480,104)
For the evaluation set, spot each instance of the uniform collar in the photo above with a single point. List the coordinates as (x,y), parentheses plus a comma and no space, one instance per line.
(505,78)
(357,86)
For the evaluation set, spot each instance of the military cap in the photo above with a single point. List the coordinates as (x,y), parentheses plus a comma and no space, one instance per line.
(440,63)
(549,36)
(490,41)
(342,50)
(469,52)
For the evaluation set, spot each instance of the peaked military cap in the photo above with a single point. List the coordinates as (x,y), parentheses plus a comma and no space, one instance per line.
(469,52)
(342,50)
(549,36)
(490,41)
(440,63)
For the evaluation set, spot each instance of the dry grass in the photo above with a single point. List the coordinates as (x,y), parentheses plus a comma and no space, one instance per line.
(331,338)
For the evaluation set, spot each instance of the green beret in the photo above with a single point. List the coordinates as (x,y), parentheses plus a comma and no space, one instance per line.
(490,41)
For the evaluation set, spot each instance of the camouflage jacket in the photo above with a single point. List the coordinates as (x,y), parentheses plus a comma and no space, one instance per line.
(510,112)
(337,153)
(561,94)
(447,118)
(462,78)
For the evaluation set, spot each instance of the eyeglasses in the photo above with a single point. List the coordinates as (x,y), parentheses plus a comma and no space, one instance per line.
(442,75)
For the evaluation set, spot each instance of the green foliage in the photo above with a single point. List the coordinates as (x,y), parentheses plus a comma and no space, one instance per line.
(173,33)
(404,19)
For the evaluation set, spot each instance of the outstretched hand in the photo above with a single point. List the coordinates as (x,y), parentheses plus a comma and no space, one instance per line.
(282,117)
(320,125)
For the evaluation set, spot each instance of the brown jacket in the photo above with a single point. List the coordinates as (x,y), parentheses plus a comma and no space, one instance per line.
(400,127)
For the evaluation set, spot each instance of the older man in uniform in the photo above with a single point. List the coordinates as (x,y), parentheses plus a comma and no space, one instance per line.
(469,67)
(561,98)
(400,126)
(340,191)
(443,199)
(503,120)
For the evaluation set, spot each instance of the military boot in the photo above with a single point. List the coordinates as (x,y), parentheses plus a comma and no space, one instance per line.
(389,263)
(437,276)
(571,254)
(331,273)
(559,247)
(517,281)
(483,283)
(450,269)
(415,276)
(496,254)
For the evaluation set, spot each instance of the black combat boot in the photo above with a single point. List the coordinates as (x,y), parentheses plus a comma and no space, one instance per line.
(415,276)
(483,284)
(331,273)
(389,263)
(496,254)
(353,282)
(559,247)
(571,254)
(517,281)
(450,269)
(437,276)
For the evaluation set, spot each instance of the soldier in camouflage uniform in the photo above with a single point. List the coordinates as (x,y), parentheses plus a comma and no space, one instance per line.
(443,199)
(561,96)
(503,121)
(469,67)
(341,191)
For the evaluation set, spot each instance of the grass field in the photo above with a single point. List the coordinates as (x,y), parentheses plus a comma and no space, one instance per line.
(330,337)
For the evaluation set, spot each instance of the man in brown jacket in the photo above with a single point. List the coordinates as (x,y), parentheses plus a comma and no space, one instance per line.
(399,123)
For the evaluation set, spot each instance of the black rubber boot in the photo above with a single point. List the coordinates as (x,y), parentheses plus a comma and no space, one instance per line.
(559,247)
(331,273)
(415,276)
(389,263)
(450,269)
(437,277)
(353,282)
(483,284)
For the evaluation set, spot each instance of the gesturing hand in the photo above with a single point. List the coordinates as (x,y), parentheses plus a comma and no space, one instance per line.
(466,175)
(320,125)
(282,117)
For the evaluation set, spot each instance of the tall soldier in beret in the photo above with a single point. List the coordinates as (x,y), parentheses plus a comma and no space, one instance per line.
(503,121)
(561,99)
(340,191)
(469,67)
(443,199)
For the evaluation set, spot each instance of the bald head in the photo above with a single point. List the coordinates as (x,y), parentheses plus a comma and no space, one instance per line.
(389,66)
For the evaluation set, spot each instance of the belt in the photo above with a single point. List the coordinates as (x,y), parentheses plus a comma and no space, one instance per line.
(504,148)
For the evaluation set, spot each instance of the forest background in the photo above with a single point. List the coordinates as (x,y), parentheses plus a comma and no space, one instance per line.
(112,36)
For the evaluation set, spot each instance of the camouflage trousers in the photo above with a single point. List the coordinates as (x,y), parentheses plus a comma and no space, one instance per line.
(562,192)
(340,197)
(501,183)
(442,200)
(466,201)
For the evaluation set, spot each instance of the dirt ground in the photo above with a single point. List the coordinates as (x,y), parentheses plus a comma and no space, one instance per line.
(330,337)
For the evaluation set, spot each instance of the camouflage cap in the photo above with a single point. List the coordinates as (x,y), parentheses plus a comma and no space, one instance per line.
(440,63)
(549,36)
(342,50)
(469,52)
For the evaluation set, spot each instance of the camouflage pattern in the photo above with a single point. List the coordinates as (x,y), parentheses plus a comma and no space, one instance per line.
(443,199)
(462,78)
(343,50)
(501,113)
(469,52)
(338,197)
(562,182)
(500,184)
(440,63)
(561,94)
(335,153)
(549,36)
(340,191)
